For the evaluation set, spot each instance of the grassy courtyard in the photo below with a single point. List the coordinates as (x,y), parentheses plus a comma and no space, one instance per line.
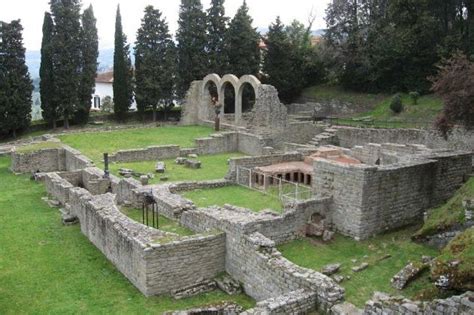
(47,268)
(95,144)
(213,167)
(314,255)
(164,223)
(234,195)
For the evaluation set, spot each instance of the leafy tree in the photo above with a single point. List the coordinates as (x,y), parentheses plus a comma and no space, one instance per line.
(15,82)
(154,63)
(66,49)
(123,74)
(191,41)
(242,44)
(454,83)
(216,30)
(90,53)
(49,103)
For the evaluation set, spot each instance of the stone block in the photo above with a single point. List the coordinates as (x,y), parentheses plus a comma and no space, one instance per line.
(194,164)
(160,167)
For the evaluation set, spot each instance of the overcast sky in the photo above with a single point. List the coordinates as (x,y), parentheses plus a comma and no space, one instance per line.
(31,13)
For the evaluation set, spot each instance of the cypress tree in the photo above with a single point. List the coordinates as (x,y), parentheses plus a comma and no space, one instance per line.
(284,60)
(122,87)
(154,63)
(15,82)
(90,52)
(216,30)
(191,38)
(49,105)
(242,44)
(66,54)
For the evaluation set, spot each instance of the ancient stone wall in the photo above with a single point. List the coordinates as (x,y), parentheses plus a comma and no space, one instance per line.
(180,263)
(370,199)
(458,140)
(294,302)
(46,160)
(329,108)
(385,304)
(217,143)
(49,160)
(148,154)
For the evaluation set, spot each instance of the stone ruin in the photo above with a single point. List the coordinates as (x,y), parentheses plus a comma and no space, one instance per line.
(362,183)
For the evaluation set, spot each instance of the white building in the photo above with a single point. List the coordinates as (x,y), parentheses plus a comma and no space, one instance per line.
(104,87)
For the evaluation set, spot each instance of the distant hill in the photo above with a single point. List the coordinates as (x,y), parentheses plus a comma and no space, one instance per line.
(33,61)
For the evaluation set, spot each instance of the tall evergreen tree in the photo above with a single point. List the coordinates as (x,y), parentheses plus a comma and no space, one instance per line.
(90,53)
(216,30)
(66,48)
(242,44)
(51,111)
(154,63)
(283,62)
(123,74)
(191,38)
(15,82)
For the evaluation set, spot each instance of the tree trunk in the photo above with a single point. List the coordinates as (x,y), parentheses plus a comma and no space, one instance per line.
(154,114)
(54,124)
(14,133)
(66,122)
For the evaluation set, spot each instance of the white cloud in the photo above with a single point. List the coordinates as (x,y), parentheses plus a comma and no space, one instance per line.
(31,13)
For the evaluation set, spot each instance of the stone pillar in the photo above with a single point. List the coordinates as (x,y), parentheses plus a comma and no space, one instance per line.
(266,181)
(292,177)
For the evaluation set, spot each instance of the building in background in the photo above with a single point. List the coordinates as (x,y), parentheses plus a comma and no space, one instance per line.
(104,87)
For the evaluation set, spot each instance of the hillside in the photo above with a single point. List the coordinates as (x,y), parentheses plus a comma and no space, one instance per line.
(378,113)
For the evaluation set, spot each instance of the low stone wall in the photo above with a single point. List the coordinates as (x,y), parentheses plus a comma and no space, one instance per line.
(300,132)
(385,304)
(147,154)
(253,259)
(294,302)
(45,160)
(180,263)
(329,108)
(459,139)
(370,199)
(49,160)
(217,143)
(156,262)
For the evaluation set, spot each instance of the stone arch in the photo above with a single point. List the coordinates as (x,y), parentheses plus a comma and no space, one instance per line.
(244,81)
(216,79)
(228,80)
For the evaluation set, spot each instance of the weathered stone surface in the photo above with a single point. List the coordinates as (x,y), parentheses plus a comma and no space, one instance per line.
(202,286)
(194,164)
(144,180)
(408,273)
(328,235)
(228,285)
(160,167)
(219,309)
(181,160)
(331,269)
(361,267)
(338,278)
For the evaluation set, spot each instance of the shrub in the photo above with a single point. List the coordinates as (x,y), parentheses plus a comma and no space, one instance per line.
(414,97)
(396,104)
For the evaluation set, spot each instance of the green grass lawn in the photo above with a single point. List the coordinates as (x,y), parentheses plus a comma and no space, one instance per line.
(164,223)
(95,144)
(213,167)
(47,268)
(377,276)
(449,214)
(234,195)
